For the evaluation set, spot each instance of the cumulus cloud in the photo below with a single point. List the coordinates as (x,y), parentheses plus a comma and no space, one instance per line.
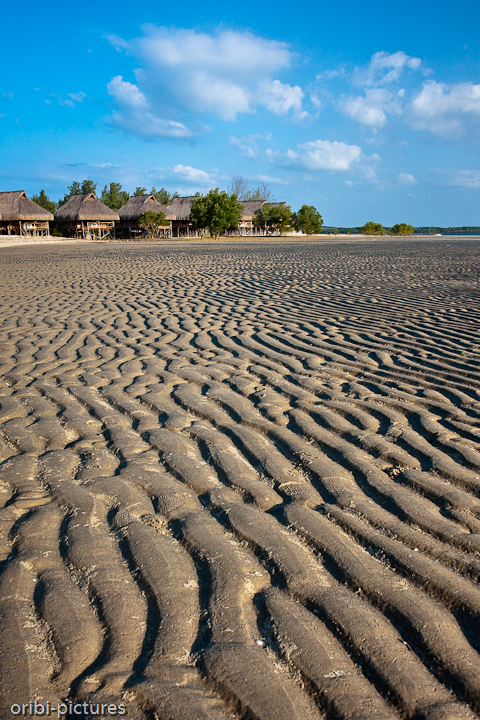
(190,173)
(184,74)
(385,68)
(135,116)
(447,109)
(318,155)
(280,98)
(371,109)
(406,179)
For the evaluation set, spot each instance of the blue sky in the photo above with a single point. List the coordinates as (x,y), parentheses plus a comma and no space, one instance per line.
(369,111)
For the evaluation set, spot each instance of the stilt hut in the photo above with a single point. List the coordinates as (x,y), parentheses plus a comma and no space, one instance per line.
(128,226)
(250,207)
(21,216)
(180,207)
(83,216)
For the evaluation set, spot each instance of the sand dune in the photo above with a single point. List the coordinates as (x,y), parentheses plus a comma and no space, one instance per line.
(242,480)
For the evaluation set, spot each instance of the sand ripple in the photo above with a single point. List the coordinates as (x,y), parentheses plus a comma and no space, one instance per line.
(242,480)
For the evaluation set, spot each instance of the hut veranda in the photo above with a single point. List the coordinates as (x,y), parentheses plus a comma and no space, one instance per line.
(21,216)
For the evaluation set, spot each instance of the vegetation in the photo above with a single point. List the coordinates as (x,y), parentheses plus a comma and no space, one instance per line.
(402,229)
(87,186)
(215,211)
(44,201)
(371,228)
(163,196)
(114,197)
(241,188)
(273,218)
(308,220)
(152,221)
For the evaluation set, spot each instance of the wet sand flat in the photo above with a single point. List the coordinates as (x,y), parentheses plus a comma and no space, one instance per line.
(241,480)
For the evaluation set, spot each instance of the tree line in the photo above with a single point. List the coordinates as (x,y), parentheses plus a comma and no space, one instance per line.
(113,195)
(218,211)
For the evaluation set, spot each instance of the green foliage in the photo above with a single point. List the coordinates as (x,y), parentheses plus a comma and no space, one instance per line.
(87,186)
(308,220)
(74,189)
(114,197)
(273,218)
(140,191)
(216,211)
(371,228)
(402,229)
(162,195)
(151,221)
(43,200)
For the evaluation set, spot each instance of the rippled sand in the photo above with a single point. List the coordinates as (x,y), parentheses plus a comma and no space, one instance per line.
(242,480)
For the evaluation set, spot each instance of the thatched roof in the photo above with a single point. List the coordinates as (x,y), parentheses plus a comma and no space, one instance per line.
(138,204)
(250,207)
(84,207)
(181,206)
(16,206)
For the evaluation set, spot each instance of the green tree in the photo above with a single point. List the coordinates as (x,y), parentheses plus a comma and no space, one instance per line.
(308,220)
(273,218)
(43,200)
(114,197)
(140,191)
(162,195)
(402,229)
(371,228)
(88,186)
(151,221)
(216,211)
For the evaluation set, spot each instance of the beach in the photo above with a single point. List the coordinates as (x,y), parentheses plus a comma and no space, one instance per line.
(241,480)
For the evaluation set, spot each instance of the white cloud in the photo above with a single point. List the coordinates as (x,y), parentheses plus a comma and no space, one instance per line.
(77,97)
(466,178)
(447,109)
(189,173)
(406,179)
(318,155)
(134,115)
(270,179)
(385,68)
(280,98)
(372,108)
(249,144)
(184,73)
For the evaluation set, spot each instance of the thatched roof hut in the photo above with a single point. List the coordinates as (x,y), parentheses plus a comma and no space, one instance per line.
(250,207)
(181,207)
(21,216)
(84,207)
(138,204)
(86,217)
(131,211)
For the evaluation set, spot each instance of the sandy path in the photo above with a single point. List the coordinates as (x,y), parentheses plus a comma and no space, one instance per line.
(242,481)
